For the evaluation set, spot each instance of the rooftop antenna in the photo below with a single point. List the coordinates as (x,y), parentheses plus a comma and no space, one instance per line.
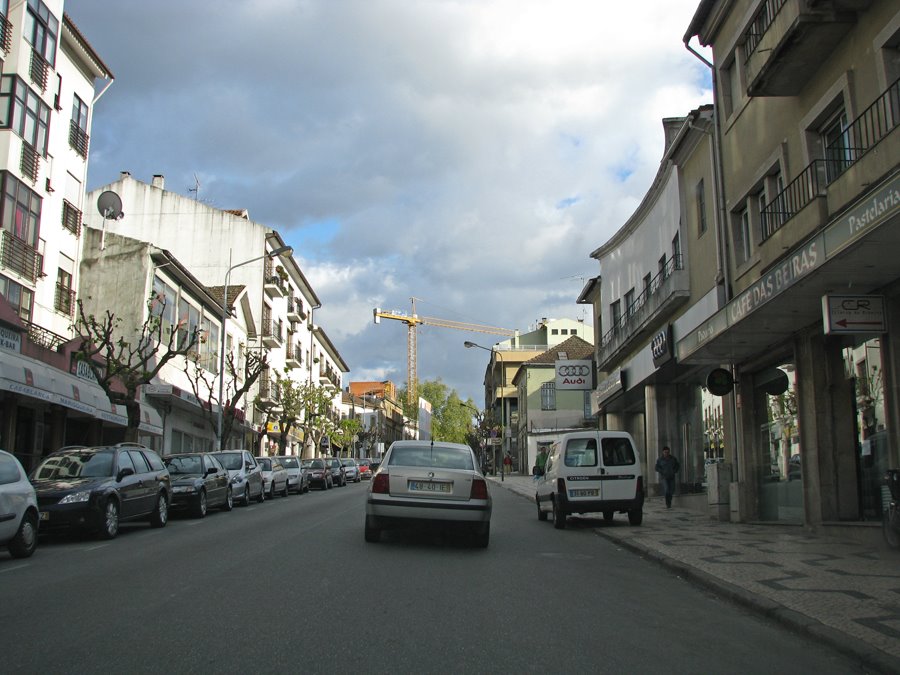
(196,188)
(110,206)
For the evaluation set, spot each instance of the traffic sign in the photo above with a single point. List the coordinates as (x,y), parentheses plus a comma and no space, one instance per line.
(853,314)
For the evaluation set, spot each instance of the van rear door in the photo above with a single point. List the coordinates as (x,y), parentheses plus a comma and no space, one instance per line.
(620,468)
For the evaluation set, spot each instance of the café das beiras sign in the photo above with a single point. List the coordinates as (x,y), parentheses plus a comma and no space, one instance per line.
(573,374)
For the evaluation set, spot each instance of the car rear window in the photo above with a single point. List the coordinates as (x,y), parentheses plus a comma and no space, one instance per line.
(431,456)
(231,460)
(617,452)
(581,452)
(290,463)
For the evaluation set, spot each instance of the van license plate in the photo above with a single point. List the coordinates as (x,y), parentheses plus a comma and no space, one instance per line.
(583,493)
(424,486)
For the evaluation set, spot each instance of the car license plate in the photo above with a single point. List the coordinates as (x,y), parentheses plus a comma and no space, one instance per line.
(583,493)
(425,486)
(45,515)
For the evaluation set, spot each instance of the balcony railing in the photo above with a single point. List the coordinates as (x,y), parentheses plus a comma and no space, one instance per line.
(71,218)
(21,258)
(64,301)
(78,139)
(760,25)
(860,136)
(272,333)
(633,312)
(43,337)
(39,70)
(5,34)
(30,162)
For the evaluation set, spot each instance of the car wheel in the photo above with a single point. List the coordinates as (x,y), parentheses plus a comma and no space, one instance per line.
(25,541)
(110,519)
(542,515)
(160,516)
(559,515)
(229,499)
(608,516)
(635,517)
(373,533)
(201,506)
(246,498)
(483,536)
(285,492)
(262,494)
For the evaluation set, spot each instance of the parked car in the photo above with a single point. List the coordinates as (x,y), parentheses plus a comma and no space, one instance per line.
(338,474)
(18,508)
(591,472)
(351,469)
(319,472)
(199,482)
(365,468)
(433,483)
(275,477)
(246,475)
(298,480)
(96,488)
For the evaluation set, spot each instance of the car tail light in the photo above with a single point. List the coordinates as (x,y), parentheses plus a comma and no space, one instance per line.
(640,487)
(479,489)
(381,484)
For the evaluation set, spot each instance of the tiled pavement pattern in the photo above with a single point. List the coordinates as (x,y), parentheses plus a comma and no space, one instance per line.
(835,590)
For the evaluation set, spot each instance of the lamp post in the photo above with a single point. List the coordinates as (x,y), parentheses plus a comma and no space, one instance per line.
(281,250)
(497,354)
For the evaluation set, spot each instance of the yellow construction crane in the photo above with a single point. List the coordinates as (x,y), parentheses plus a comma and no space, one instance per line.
(412,320)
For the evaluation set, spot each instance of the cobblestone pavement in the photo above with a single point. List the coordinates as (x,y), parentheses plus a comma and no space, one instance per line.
(833,589)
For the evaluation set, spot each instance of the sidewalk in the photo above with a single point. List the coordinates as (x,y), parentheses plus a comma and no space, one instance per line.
(833,590)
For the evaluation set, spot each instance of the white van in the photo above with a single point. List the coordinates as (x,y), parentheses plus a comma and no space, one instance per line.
(591,472)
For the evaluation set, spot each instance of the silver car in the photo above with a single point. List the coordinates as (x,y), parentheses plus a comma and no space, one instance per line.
(351,469)
(431,483)
(246,475)
(275,477)
(18,508)
(298,479)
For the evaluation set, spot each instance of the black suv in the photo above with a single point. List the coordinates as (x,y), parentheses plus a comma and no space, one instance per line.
(95,488)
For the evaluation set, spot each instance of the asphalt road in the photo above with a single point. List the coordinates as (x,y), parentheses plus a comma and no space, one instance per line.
(290,585)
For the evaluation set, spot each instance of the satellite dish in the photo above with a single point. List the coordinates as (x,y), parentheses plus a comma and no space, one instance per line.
(110,205)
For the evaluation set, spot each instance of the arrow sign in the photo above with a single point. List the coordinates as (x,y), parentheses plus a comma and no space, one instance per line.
(853,314)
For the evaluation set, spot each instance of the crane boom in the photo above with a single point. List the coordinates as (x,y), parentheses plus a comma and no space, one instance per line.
(412,320)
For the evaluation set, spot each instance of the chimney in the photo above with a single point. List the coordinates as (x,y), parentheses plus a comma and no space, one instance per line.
(124,174)
(159,181)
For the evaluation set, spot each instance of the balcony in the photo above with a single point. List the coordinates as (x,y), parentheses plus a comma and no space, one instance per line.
(78,139)
(39,70)
(295,310)
(30,162)
(5,34)
(667,291)
(787,39)
(272,333)
(294,356)
(64,301)
(266,393)
(21,258)
(274,283)
(833,182)
(71,218)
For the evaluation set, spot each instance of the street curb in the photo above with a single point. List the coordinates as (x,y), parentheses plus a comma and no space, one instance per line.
(868,656)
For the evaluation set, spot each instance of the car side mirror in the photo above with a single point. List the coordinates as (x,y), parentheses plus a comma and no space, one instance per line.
(211,470)
(127,471)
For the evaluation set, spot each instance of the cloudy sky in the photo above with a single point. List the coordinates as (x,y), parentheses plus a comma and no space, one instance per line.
(468,153)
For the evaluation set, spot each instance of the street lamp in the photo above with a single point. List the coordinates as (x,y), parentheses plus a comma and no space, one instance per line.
(496,353)
(281,250)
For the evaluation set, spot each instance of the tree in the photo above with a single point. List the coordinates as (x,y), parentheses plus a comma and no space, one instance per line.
(449,419)
(304,405)
(342,435)
(123,358)
(206,386)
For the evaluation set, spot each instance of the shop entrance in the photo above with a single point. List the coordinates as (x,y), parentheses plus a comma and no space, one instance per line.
(779,461)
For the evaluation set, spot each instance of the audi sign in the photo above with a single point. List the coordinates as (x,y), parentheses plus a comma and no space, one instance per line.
(572,374)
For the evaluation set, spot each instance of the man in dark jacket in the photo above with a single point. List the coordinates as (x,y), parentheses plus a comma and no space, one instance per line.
(667,466)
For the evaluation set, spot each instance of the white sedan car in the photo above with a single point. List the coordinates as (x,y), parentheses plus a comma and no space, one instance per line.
(275,477)
(18,508)
(431,483)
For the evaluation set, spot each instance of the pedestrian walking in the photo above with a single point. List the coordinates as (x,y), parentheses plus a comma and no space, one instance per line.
(667,466)
(540,464)
(507,464)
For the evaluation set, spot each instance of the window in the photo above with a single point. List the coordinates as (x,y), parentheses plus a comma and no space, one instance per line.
(125,461)
(41,30)
(21,210)
(581,452)
(163,304)
(548,396)
(65,297)
(23,111)
(700,196)
(648,280)
(140,463)
(617,452)
(676,251)
(615,315)
(663,267)
(554,331)
(21,298)
(78,136)
(742,235)
(836,146)
(730,84)
(629,303)
(589,413)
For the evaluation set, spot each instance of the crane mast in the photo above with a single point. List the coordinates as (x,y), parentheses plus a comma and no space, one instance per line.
(412,320)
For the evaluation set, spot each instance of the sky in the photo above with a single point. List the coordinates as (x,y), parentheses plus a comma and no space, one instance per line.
(468,153)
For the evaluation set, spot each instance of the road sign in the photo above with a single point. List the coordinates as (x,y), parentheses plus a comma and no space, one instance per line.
(496,440)
(853,314)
